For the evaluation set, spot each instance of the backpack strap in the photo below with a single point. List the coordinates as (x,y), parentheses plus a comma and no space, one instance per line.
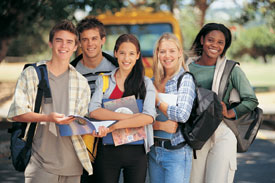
(105,82)
(230,64)
(181,76)
(107,56)
(178,86)
(43,88)
(179,81)
(110,59)
(44,83)
(76,60)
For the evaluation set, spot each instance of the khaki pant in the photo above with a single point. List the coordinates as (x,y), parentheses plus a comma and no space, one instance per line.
(35,174)
(216,161)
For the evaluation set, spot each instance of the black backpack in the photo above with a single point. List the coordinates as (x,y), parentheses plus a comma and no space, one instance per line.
(21,149)
(205,117)
(247,126)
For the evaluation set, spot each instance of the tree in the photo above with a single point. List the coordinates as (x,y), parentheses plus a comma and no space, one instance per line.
(188,27)
(258,9)
(22,17)
(29,18)
(26,21)
(256,42)
(202,5)
(100,6)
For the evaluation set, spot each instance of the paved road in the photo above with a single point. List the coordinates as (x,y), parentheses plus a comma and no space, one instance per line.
(258,164)
(255,166)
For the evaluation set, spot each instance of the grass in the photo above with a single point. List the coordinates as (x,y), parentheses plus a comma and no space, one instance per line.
(259,74)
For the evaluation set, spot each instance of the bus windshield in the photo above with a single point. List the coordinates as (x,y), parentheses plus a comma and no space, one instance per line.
(147,34)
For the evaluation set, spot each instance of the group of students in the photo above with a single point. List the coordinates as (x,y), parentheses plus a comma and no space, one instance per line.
(62,159)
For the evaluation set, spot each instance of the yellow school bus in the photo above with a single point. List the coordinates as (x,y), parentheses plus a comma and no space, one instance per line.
(145,24)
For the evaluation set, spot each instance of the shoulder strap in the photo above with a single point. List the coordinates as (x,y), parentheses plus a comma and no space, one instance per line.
(44,83)
(110,59)
(230,64)
(76,60)
(105,82)
(107,56)
(181,76)
(43,88)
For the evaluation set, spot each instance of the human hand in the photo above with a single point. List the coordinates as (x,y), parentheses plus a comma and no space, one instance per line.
(102,132)
(227,113)
(59,118)
(168,126)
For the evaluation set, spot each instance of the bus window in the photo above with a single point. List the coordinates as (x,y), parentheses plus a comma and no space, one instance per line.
(147,34)
(146,24)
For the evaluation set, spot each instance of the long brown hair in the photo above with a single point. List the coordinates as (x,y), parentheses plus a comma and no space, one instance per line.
(134,83)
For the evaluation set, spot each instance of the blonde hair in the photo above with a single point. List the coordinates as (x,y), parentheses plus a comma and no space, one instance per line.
(158,69)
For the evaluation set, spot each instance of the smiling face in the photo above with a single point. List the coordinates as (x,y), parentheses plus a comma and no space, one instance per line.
(169,54)
(127,56)
(213,44)
(91,43)
(63,45)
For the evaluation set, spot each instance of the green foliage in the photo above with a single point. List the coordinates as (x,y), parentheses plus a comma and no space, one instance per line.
(189,28)
(32,41)
(100,6)
(27,22)
(20,16)
(256,41)
(254,8)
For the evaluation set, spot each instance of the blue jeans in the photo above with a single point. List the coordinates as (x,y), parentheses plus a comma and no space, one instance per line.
(167,166)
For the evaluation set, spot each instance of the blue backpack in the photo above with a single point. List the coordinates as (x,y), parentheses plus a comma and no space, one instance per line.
(21,149)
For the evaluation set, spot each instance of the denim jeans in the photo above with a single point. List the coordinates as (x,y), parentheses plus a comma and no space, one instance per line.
(169,166)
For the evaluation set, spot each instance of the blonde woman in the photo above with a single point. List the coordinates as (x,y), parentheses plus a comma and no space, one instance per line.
(170,158)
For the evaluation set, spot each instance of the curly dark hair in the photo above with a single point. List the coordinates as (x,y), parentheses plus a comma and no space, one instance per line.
(197,46)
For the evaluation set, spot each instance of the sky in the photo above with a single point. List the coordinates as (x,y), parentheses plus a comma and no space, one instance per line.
(217,4)
(224,9)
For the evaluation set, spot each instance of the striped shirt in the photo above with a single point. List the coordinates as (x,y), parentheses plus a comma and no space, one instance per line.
(186,95)
(79,97)
(91,75)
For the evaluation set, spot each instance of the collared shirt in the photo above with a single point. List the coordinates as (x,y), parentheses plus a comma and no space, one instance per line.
(79,97)
(186,95)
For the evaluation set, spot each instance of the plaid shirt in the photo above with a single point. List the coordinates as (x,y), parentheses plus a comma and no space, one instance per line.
(79,97)
(186,95)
